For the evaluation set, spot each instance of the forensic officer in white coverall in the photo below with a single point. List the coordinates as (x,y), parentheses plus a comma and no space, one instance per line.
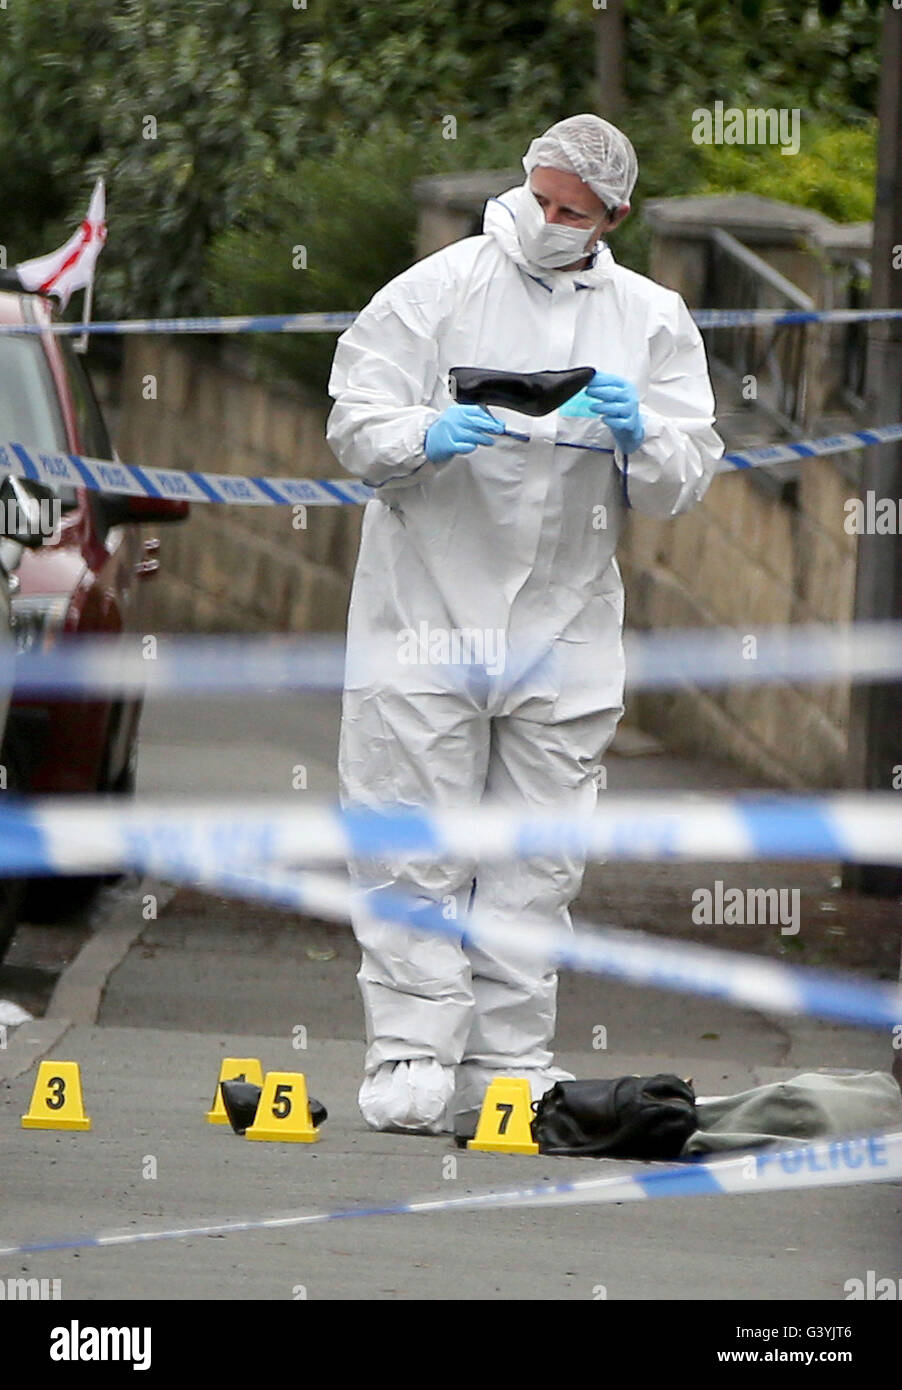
(473,530)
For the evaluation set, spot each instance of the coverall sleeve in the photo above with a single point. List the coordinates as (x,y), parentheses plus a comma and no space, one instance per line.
(676,462)
(383,373)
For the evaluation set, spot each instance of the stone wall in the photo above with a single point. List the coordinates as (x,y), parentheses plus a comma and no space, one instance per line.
(228,568)
(745,560)
(750,555)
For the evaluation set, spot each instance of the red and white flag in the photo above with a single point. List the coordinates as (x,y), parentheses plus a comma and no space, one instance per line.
(70,268)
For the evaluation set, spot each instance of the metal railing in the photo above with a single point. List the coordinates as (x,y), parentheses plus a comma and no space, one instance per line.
(854,358)
(775,356)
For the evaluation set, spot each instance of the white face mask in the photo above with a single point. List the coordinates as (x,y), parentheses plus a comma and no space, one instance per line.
(547,244)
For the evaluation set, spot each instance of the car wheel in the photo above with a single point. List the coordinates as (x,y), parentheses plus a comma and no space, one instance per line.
(12,890)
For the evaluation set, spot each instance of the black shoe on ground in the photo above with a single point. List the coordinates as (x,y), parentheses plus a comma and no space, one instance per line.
(241,1099)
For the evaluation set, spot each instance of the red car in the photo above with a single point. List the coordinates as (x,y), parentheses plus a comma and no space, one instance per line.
(87,578)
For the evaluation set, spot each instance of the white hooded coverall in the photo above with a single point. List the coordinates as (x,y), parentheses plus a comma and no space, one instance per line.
(515,541)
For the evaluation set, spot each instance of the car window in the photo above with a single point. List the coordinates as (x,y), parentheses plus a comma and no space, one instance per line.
(95,441)
(29,409)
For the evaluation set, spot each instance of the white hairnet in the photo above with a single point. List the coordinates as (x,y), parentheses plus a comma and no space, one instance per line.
(594,150)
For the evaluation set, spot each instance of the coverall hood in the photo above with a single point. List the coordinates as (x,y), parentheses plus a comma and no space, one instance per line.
(499,222)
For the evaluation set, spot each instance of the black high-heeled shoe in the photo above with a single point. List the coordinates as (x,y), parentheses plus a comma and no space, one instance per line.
(532,393)
(241,1099)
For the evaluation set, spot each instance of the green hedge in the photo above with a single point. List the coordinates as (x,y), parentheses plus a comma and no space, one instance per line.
(834,171)
(355,217)
(261,107)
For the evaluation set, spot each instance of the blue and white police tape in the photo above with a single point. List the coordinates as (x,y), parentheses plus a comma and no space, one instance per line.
(335,322)
(173,665)
(245,665)
(838,1162)
(225,864)
(794,450)
(809,652)
(338,321)
(210,665)
(654,962)
(177,485)
(180,485)
(762,318)
(60,835)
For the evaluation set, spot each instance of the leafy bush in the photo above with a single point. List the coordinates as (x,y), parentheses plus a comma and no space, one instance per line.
(355,216)
(820,55)
(260,108)
(834,171)
(241,91)
(355,213)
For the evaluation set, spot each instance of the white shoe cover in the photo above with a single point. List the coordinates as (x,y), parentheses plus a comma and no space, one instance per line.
(414,1097)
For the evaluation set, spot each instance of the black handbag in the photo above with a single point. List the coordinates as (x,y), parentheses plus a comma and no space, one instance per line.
(645,1117)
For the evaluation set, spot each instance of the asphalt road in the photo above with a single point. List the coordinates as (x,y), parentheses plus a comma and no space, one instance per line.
(151,1004)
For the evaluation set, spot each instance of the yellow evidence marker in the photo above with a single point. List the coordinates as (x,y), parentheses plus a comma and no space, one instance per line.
(284,1110)
(56,1101)
(505,1118)
(233,1069)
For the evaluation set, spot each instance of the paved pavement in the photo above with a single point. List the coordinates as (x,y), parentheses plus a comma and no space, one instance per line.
(150,1006)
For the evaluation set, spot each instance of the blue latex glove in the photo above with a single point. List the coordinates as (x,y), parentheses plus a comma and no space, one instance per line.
(580,406)
(459,430)
(617,402)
